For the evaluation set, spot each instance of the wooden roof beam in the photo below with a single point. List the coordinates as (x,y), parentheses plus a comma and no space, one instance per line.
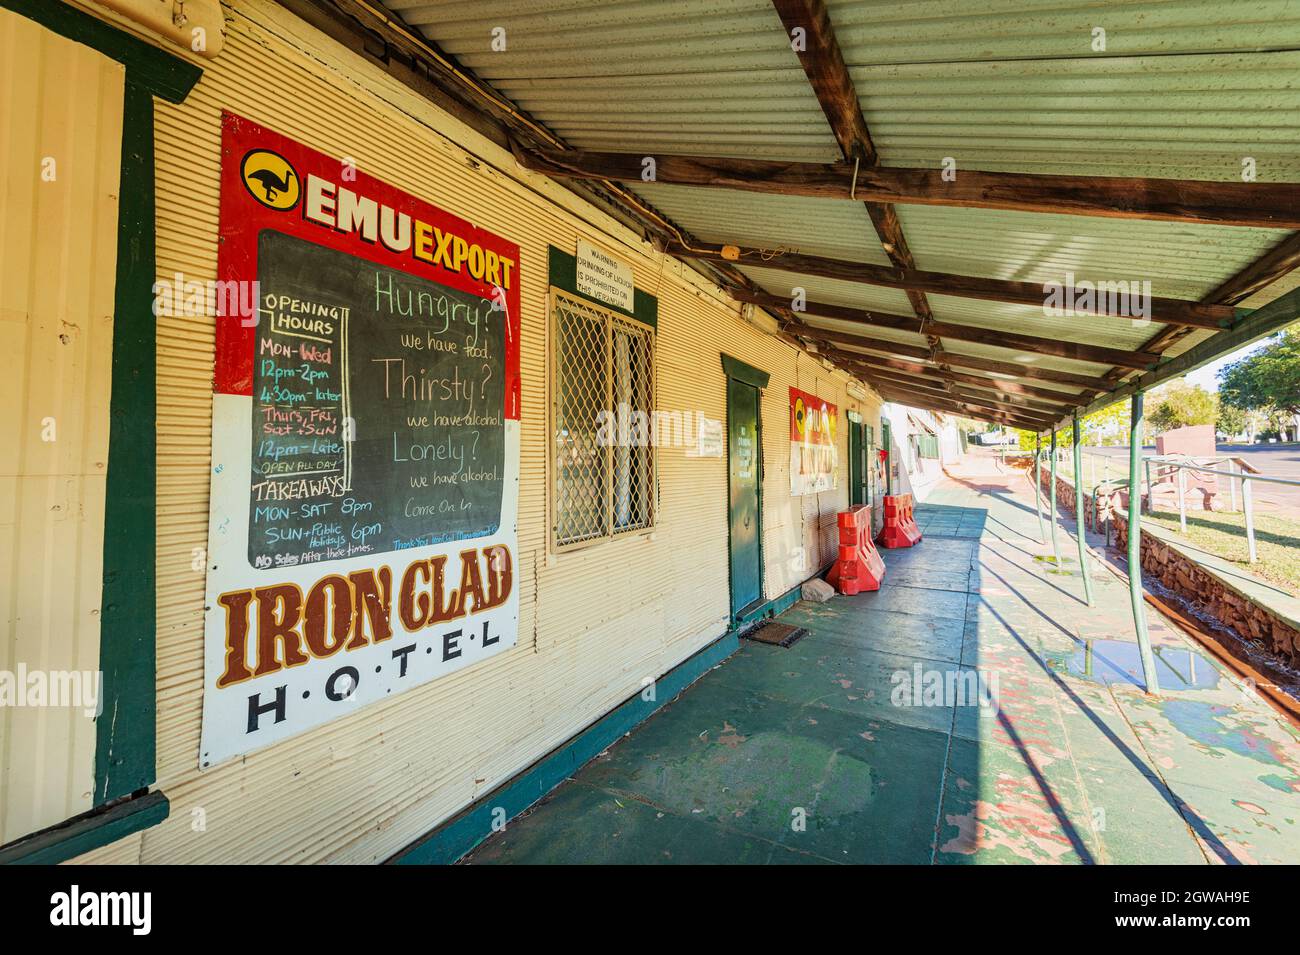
(979,381)
(804,330)
(1274,264)
(958,406)
(1170,311)
(1273,205)
(1033,372)
(808,28)
(1008,401)
(1072,351)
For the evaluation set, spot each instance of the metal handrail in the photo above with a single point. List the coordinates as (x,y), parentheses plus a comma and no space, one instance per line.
(1180,464)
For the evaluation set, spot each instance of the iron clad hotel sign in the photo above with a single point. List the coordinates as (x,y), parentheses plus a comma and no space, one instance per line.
(365,472)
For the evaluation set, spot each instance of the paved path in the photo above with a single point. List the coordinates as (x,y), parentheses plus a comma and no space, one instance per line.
(822,753)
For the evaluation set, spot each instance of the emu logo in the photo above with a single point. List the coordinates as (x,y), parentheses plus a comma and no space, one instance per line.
(270,179)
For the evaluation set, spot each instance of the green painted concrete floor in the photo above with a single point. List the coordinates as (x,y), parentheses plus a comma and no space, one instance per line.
(822,753)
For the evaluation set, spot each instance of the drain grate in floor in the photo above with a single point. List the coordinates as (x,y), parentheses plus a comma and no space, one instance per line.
(777,634)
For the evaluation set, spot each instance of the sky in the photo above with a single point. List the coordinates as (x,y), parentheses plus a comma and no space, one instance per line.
(1207,376)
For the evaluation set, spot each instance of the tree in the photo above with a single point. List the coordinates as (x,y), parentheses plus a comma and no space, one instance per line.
(1235,421)
(1232,421)
(1180,405)
(1268,379)
(1107,426)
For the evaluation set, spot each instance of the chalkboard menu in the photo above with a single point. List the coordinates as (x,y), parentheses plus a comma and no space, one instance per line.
(364,484)
(377,409)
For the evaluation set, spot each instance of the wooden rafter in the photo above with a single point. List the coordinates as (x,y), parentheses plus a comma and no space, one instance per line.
(1011,404)
(1257,204)
(1090,382)
(1056,398)
(1073,351)
(823,63)
(956,406)
(1006,370)
(953,403)
(1006,400)
(825,335)
(1170,311)
(1014,391)
(1263,272)
(1280,260)
(938,398)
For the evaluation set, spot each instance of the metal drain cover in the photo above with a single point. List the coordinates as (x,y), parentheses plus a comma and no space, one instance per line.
(777,634)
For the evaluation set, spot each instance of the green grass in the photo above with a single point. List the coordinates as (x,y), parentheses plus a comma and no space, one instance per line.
(1277,541)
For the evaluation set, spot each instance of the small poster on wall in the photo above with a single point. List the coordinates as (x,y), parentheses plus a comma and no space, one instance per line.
(813,455)
(365,445)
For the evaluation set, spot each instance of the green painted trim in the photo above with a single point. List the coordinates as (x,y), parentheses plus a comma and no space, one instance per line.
(156,70)
(88,831)
(735,368)
(1134,529)
(737,614)
(562,270)
(453,839)
(779,605)
(125,730)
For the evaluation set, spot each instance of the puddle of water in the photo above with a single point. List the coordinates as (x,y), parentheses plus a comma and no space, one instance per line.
(1117,661)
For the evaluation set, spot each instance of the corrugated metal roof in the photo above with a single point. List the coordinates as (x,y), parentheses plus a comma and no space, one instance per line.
(833,227)
(1179,260)
(1031,359)
(939,31)
(682,76)
(867,331)
(831,291)
(1182,89)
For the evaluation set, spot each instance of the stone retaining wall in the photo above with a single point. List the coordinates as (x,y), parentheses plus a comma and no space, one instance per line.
(1201,589)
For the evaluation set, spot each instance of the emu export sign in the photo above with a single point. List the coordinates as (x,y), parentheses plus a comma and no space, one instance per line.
(813,455)
(365,466)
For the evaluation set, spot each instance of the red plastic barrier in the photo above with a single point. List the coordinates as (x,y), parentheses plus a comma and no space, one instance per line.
(900,528)
(859,566)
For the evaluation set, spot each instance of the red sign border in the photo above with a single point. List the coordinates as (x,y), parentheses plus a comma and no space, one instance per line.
(242,218)
(809,399)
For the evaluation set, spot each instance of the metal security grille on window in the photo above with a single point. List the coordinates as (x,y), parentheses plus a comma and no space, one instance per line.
(603,457)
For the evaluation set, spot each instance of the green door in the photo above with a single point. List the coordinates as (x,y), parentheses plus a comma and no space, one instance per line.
(886,444)
(860,464)
(744,469)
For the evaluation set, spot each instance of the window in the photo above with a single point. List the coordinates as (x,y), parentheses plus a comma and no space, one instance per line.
(929,445)
(602,464)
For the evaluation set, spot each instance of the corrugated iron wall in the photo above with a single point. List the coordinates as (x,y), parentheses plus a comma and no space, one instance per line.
(60,147)
(593,623)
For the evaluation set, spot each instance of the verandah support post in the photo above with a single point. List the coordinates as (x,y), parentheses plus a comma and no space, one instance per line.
(1135,545)
(1038,484)
(1080,529)
(1056,548)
